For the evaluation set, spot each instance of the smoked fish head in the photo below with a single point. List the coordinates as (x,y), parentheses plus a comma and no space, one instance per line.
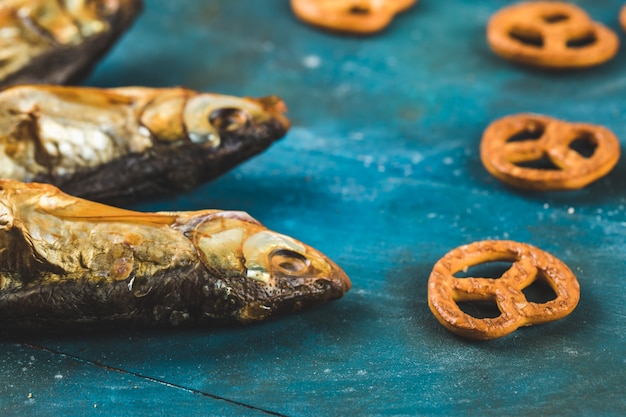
(263,273)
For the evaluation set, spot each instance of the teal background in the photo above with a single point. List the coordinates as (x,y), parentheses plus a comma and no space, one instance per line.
(381,172)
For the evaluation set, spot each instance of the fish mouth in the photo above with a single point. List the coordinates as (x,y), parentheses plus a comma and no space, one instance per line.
(314,294)
(275,107)
(340,283)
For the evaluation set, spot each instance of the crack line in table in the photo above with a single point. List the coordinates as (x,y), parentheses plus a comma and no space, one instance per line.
(152,379)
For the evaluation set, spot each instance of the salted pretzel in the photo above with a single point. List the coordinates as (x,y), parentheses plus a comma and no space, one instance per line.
(550,34)
(350,16)
(552,142)
(529,264)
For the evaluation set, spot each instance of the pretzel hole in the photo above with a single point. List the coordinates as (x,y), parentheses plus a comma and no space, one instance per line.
(585,145)
(544,163)
(555,18)
(527,37)
(359,10)
(480,309)
(582,41)
(494,269)
(539,291)
(532,131)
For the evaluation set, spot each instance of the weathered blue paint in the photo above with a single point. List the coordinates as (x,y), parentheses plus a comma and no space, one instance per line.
(381,171)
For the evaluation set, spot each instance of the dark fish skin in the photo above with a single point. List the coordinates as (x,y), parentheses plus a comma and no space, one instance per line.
(164,171)
(183,298)
(52,62)
(67,264)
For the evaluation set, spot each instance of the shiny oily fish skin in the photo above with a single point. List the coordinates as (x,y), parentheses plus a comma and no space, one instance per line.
(68,261)
(58,41)
(131,142)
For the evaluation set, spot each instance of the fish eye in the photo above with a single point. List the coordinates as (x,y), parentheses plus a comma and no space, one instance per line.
(229,119)
(289,262)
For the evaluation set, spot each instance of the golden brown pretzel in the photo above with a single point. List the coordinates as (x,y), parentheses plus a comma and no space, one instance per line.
(529,264)
(622,17)
(550,34)
(352,16)
(550,140)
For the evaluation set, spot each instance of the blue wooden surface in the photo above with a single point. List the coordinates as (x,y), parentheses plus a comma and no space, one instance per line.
(380,171)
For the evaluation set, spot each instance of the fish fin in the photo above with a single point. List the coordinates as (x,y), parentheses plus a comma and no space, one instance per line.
(49,199)
(79,209)
(147,92)
(99,97)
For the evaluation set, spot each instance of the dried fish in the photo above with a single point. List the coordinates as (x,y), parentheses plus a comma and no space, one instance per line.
(65,260)
(58,41)
(130,142)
